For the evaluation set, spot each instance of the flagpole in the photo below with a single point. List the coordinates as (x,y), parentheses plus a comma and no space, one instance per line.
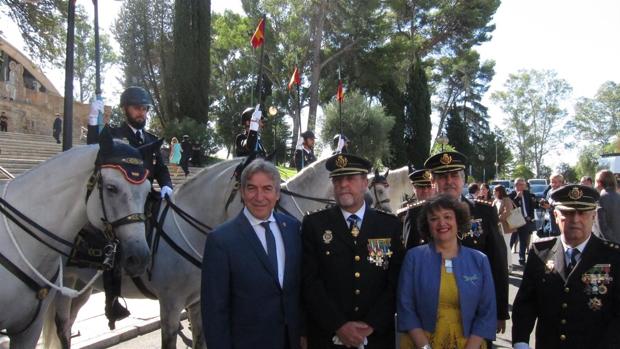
(260,63)
(339,103)
(299,108)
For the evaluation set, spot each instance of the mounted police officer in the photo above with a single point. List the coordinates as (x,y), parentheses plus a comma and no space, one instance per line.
(340,144)
(422,188)
(448,177)
(351,259)
(248,143)
(304,154)
(571,283)
(136,103)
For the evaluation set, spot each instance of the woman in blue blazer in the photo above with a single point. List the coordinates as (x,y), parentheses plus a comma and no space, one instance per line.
(446,297)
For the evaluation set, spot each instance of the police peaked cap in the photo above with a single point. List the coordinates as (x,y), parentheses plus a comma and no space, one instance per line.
(447,161)
(347,164)
(575,198)
(420,178)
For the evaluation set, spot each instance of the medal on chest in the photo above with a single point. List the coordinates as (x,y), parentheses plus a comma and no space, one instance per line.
(379,252)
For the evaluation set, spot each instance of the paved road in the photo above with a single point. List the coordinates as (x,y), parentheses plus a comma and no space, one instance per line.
(152,340)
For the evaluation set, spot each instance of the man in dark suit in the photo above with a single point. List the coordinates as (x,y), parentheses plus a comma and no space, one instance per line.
(526,201)
(570,284)
(135,102)
(251,271)
(186,152)
(304,155)
(448,177)
(351,259)
(608,210)
(57,128)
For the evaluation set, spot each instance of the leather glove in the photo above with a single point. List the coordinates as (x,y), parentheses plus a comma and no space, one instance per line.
(96,106)
(166,190)
(256,116)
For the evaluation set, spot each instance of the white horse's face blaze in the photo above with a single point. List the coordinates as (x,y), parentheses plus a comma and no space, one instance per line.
(122,198)
(381,195)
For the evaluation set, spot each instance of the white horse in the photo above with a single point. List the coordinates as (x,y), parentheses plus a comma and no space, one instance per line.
(174,279)
(397,190)
(54,196)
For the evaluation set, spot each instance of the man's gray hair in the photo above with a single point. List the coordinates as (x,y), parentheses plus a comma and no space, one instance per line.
(260,165)
(519,179)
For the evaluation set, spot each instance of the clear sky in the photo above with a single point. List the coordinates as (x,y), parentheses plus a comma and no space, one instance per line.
(577,39)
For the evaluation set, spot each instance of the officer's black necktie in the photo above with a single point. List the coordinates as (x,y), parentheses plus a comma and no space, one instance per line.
(272,254)
(139,137)
(573,254)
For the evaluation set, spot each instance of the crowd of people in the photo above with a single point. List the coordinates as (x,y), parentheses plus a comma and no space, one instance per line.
(351,276)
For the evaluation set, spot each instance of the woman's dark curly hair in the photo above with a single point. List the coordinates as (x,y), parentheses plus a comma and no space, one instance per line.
(460,209)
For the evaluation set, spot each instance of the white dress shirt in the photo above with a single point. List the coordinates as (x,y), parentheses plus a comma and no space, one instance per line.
(260,233)
(359,213)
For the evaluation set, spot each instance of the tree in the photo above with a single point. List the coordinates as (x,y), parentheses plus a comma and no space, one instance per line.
(418,110)
(597,120)
(522,171)
(457,133)
(569,173)
(532,101)
(192,39)
(366,126)
(84,67)
(587,161)
(41,25)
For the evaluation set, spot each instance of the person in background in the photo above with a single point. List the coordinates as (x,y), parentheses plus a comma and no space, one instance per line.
(422,188)
(4,122)
(340,144)
(504,205)
(196,154)
(248,143)
(472,191)
(446,296)
(527,202)
(608,209)
(186,152)
(556,181)
(57,128)
(586,180)
(304,155)
(485,193)
(175,155)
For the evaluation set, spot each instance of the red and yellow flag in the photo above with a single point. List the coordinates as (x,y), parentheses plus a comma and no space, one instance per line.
(340,93)
(295,79)
(259,35)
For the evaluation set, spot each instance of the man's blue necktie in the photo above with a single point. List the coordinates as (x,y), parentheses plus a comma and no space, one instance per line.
(272,254)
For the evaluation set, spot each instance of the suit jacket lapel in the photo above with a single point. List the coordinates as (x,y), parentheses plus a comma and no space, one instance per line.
(250,235)
(289,246)
(556,254)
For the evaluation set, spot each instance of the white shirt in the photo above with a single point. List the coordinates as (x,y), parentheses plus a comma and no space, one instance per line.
(260,233)
(359,213)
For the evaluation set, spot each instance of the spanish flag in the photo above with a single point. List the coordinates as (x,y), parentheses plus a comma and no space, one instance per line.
(340,93)
(295,79)
(259,35)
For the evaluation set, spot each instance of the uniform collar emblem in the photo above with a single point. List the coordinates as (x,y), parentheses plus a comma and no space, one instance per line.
(445,159)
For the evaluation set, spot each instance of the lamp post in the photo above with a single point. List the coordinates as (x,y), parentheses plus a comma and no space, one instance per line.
(273,111)
(443,140)
(67,134)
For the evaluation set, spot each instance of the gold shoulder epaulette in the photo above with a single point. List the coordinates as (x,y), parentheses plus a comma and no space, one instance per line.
(403,210)
(489,203)
(612,245)
(315,211)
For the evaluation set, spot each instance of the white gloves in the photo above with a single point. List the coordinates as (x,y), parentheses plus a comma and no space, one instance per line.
(256,116)
(96,106)
(340,143)
(166,190)
(300,144)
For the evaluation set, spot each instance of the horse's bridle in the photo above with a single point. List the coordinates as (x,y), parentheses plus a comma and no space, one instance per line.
(373,185)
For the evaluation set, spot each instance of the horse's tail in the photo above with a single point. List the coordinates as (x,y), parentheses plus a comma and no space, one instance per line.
(49,335)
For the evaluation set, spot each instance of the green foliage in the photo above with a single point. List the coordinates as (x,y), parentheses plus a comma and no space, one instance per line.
(418,116)
(196,131)
(457,133)
(84,66)
(532,101)
(569,173)
(41,25)
(597,120)
(437,148)
(365,125)
(278,144)
(587,161)
(522,171)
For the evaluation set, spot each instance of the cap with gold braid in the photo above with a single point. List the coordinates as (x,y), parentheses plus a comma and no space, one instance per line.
(347,164)
(575,198)
(420,178)
(447,161)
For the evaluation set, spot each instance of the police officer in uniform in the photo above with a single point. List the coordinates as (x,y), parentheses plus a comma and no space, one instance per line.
(351,260)
(135,102)
(304,155)
(571,282)
(448,177)
(421,181)
(248,143)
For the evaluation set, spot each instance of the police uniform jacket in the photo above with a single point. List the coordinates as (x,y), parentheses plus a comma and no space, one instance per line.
(303,158)
(484,237)
(246,144)
(156,166)
(579,310)
(341,284)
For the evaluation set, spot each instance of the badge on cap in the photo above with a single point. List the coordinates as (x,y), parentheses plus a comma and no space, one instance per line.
(341,161)
(575,193)
(446,159)
(427,174)
(328,236)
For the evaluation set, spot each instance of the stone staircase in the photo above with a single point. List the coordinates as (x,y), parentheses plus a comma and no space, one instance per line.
(19,152)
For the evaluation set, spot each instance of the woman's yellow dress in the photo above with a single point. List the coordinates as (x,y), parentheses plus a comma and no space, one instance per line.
(449,329)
